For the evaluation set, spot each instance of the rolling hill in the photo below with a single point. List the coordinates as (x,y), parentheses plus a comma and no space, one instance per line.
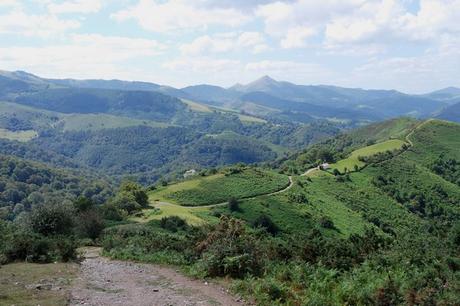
(451,113)
(328,233)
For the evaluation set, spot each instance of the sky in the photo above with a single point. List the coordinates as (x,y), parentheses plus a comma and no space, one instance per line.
(408,45)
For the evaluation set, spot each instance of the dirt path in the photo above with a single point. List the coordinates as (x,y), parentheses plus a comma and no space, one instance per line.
(109,282)
(306,173)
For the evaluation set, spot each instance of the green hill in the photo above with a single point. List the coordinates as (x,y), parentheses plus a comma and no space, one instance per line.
(387,233)
(235,182)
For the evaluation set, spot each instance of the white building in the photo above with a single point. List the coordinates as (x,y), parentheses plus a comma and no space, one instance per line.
(189,173)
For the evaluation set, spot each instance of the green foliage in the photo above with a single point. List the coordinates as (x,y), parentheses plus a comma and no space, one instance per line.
(326,223)
(52,219)
(229,250)
(233,205)
(90,224)
(137,191)
(131,197)
(24,185)
(264,222)
(240,183)
(173,223)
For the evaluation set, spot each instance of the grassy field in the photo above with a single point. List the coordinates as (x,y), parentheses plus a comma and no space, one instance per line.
(219,188)
(78,122)
(352,160)
(197,107)
(396,128)
(18,283)
(433,138)
(159,210)
(23,136)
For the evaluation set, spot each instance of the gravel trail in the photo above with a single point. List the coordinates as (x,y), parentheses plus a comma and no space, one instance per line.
(110,282)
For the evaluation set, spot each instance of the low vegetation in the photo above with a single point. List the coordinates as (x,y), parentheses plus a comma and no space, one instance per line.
(237,182)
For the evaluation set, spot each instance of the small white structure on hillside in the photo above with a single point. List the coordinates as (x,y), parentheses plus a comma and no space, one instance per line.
(189,173)
(324,166)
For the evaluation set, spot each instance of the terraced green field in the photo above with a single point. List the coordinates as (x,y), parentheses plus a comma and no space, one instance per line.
(350,162)
(219,188)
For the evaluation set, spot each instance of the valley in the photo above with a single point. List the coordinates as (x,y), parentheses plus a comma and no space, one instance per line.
(290,201)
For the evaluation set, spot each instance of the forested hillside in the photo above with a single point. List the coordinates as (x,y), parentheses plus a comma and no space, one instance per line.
(385,233)
(25,184)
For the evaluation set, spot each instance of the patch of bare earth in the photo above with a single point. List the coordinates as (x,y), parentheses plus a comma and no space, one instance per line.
(109,282)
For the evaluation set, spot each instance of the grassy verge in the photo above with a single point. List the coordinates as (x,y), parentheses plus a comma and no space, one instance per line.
(36,284)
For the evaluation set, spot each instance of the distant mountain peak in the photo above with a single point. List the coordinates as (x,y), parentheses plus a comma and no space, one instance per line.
(265,80)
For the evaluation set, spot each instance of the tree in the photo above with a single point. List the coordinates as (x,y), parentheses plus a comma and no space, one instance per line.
(90,224)
(264,221)
(52,219)
(233,205)
(83,204)
(137,191)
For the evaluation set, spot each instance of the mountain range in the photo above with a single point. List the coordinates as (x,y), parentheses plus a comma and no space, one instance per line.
(264,96)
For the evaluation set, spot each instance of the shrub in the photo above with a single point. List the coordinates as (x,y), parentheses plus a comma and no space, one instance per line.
(33,247)
(138,192)
(83,204)
(233,205)
(89,224)
(52,219)
(229,250)
(326,222)
(264,221)
(173,223)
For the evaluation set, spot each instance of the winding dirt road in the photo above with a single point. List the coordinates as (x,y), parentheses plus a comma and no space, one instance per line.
(108,282)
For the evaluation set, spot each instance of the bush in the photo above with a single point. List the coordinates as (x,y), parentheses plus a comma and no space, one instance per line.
(229,250)
(52,219)
(264,221)
(326,222)
(83,204)
(89,224)
(140,196)
(33,247)
(233,205)
(173,223)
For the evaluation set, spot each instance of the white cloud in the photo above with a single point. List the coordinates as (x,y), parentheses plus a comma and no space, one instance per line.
(75,6)
(174,15)
(348,23)
(20,23)
(84,56)
(296,37)
(225,42)
(203,65)
(435,69)
(8,3)
(294,23)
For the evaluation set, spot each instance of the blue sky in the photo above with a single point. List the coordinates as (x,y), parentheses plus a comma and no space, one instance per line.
(409,45)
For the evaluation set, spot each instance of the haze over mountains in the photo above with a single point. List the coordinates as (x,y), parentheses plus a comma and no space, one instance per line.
(264,96)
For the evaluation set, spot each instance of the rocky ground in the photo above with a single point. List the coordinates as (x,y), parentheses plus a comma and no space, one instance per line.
(105,282)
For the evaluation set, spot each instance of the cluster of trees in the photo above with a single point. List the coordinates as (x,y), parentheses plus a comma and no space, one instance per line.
(52,230)
(24,185)
(411,187)
(448,168)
